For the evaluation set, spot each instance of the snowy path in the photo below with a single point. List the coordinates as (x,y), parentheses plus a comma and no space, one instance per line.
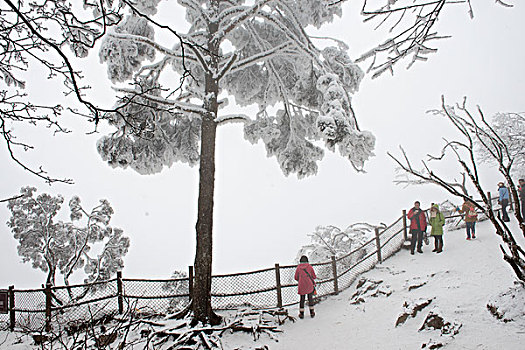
(461,280)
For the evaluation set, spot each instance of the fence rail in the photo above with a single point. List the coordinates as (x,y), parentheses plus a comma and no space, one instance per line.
(65,306)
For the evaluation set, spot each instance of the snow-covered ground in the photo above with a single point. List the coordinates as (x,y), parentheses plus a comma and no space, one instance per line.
(460,282)
(450,290)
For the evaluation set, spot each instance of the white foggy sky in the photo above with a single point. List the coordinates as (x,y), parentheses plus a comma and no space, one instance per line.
(261,216)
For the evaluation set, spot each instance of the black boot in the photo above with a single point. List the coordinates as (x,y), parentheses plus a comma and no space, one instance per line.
(440,246)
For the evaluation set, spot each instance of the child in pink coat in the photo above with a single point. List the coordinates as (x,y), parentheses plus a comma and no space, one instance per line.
(305,275)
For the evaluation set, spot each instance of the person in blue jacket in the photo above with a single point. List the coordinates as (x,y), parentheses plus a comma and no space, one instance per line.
(503,200)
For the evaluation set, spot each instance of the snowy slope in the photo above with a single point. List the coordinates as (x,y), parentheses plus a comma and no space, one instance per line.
(460,281)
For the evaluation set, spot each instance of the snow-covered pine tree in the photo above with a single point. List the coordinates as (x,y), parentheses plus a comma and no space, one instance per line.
(64,247)
(257,52)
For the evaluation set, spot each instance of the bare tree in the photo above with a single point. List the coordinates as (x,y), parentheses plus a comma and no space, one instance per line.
(46,34)
(52,35)
(475,130)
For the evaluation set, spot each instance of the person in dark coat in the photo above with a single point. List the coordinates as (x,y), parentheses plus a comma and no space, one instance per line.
(418,225)
(503,200)
(521,191)
(305,275)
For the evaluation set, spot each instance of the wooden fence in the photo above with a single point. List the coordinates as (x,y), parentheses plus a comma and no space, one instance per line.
(42,309)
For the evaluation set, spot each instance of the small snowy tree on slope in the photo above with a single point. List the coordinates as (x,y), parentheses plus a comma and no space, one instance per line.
(328,241)
(64,247)
(257,52)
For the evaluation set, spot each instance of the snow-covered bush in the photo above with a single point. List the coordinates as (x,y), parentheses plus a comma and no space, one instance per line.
(178,286)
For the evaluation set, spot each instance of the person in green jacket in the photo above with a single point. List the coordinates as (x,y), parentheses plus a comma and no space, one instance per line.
(437,220)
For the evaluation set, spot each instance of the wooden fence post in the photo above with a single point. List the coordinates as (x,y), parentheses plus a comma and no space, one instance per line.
(119,293)
(278,286)
(47,292)
(12,308)
(405,228)
(190,281)
(378,243)
(334,272)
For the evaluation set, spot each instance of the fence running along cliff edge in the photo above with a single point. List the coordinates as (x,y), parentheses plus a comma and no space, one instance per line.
(69,306)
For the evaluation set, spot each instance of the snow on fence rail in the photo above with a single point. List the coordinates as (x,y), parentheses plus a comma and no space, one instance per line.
(71,306)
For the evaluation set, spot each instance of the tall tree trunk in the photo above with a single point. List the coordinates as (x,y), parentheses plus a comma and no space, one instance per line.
(202,309)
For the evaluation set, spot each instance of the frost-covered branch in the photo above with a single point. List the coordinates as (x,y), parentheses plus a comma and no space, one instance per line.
(405,179)
(145,40)
(243,16)
(261,56)
(186,107)
(412,24)
(230,118)
(13,109)
(71,73)
(410,41)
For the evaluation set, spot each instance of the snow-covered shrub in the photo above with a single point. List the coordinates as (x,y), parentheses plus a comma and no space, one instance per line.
(179,285)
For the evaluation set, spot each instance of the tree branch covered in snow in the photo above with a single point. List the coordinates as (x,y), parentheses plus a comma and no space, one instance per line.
(413,24)
(54,36)
(405,179)
(37,34)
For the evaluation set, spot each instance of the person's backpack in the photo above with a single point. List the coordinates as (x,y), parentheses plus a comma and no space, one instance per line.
(471,213)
